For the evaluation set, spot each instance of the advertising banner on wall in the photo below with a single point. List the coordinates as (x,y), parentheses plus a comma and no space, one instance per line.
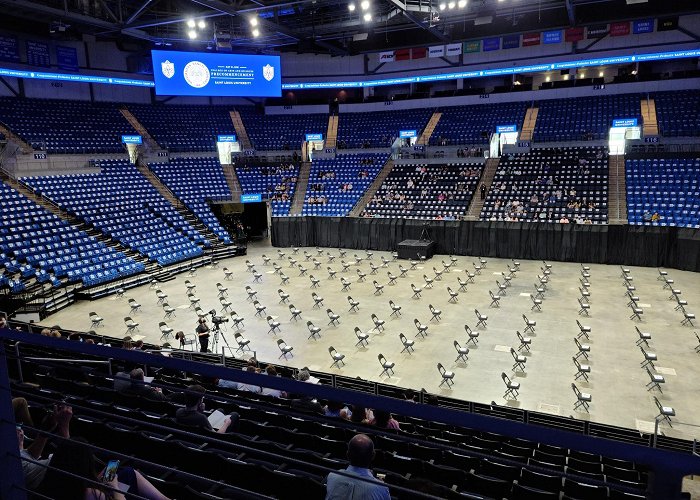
(419,53)
(573,34)
(402,54)
(492,44)
(620,29)
(667,23)
(387,56)
(453,49)
(531,39)
(472,46)
(510,42)
(597,31)
(643,26)
(437,51)
(552,36)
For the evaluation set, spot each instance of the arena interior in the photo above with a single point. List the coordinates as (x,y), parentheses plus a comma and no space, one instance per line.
(238,236)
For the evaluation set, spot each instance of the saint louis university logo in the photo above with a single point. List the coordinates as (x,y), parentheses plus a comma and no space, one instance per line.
(167,68)
(196,74)
(268,72)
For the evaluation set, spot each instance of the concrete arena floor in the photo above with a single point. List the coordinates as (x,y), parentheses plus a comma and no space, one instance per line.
(617,382)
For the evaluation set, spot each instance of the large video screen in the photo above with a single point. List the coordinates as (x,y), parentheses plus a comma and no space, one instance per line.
(204,74)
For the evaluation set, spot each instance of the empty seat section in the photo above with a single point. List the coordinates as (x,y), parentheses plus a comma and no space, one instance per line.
(336,185)
(66,127)
(548,184)
(475,124)
(122,204)
(678,113)
(184,128)
(37,245)
(378,129)
(426,191)
(196,181)
(280,132)
(274,182)
(669,187)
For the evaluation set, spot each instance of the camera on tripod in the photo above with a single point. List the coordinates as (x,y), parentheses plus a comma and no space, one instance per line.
(217,320)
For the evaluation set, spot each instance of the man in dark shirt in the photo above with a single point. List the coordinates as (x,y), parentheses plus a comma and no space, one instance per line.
(203,333)
(193,413)
(138,387)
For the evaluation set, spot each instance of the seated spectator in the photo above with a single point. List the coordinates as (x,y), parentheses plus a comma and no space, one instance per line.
(366,486)
(138,387)
(656,217)
(361,415)
(337,410)
(193,413)
(239,386)
(384,420)
(275,393)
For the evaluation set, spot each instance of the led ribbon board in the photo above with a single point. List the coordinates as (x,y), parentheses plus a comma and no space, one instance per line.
(205,74)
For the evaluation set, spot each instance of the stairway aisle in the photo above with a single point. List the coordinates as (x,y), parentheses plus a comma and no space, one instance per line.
(150,141)
(617,190)
(239,127)
(487,176)
(300,189)
(372,189)
(332,132)
(528,128)
(424,138)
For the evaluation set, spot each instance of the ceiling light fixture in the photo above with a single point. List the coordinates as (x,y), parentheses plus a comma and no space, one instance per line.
(201,24)
(351,7)
(601,74)
(190,23)
(367,17)
(253,21)
(462,4)
(256,33)
(451,5)
(548,79)
(365,4)
(192,34)
(443,6)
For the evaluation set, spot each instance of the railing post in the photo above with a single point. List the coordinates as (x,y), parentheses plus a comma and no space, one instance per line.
(11,475)
(19,363)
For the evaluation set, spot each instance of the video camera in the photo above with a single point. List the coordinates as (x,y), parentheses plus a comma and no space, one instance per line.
(217,320)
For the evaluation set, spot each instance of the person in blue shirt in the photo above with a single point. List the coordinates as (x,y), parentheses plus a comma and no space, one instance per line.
(359,483)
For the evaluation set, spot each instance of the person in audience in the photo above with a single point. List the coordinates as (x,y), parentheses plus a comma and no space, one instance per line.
(275,393)
(365,486)
(193,413)
(57,421)
(73,456)
(3,322)
(203,334)
(240,386)
(384,420)
(138,387)
(361,415)
(656,217)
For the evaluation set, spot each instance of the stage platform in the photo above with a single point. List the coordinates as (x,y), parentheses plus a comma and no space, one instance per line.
(415,249)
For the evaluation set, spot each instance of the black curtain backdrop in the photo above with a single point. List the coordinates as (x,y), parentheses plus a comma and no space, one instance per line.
(629,245)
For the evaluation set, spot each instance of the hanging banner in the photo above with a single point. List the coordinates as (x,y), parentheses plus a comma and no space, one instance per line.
(402,54)
(66,58)
(386,56)
(510,42)
(453,49)
(620,29)
(9,49)
(38,54)
(667,23)
(472,46)
(438,51)
(531,39)
(551,36)
(643,26)
(419,53)
(573,34)
(492,44)
(597,31)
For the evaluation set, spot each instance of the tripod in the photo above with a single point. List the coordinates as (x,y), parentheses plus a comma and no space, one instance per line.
(425,232)
(217,331)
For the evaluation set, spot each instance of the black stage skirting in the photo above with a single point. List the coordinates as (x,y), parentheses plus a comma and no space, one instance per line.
(415,249)
(628,245)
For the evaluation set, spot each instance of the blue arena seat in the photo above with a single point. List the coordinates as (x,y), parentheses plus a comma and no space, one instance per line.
(378,129)
(280,132)
(475,124)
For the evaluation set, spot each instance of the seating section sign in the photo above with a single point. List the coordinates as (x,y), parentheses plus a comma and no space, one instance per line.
(624,122)
(314,137)
(251,198)
(226,138)
(204,74)
(132,139)
(405,134)
(502,129)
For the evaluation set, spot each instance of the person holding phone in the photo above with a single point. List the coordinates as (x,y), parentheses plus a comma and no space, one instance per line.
(203,334)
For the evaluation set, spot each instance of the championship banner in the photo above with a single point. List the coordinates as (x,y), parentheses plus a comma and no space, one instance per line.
(66,58)
(9,49)
(437,51)
(667,23)
(531,39)
(597,31)
(643,26)
(38,54)
(573,34)
(386,56)
(510,42)
(472,46)
(453,49)
(492,44)
(402,54)
(419,53)
(620,29)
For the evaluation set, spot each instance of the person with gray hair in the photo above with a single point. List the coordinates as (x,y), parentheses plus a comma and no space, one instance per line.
(365,486)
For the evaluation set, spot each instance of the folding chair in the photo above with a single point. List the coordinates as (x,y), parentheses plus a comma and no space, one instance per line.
(585,295)
(194,301)
(259,308)
(314,281)
(585,268)
(378,289)
(252,294)
(644,337)
(392,278)
(585,284)
(346,284)
(407,344)
(385,263)
(664,411)
(378,323)
(583,349)
(680,303)
(473,336)
(295,250)
(313,330)
(506,279)
(292,261)
(354,305)
(242,342)
(581,370)
(536,303)
(655,381)
(548,267)
(413,263)
(373,268)
(422,329)
(462,284)
(688,319)
(516,264)
(302,270)
(318,300)
(636,312)
(274,325)
(529,325)
(131,325)
(435,312)
(200,312)
(284,296)
(284,349)
(470,276)
(649,358)
(583,399)
(331,257)
(345,265)
(438,274)
(462,352)
(519,360)
(333,317)
(369,254)
(266,260)
(95,320)
(512,388)
(395,310)
(361,276)
(662,275)
(501,288)
(403,271)
(362,338)
(331,273)
(539,291)
(477,268)
(447,376)
(454,296)
(135,306)
(583,330)
(585,274)
(697,347)
(583,307)
(668,283)
(494,299)
(249,265)
(428,281)
(319,252)
(284,279)
(228,274)
(153,284)
(416,291)
(238,321)
(161,296)
(165,330)
(276,267)
(482,262)
(168,310)
(295,313)
(223,291)
(257,277)
(192,271)
(387,366)
(307,256)
(525,342)
(394,256)
(317,264)
(481,319)
(336,356)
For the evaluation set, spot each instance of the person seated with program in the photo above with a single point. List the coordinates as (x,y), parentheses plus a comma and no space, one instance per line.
(193,413)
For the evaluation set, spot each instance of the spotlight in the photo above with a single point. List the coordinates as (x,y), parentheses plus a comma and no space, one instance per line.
(253,21)
(443,6)
(367,17)
(451,5)
(548,79)
(365,4)
(256,33)
(201,24)
(583,75)
(191,23)
(462,4)
(192,34)
(601,74)
(566,77)
(351,7)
